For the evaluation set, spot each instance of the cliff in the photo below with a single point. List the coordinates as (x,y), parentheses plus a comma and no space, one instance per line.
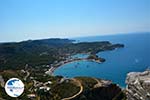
(138,85)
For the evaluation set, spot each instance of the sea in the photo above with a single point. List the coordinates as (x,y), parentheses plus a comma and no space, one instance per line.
(134,57)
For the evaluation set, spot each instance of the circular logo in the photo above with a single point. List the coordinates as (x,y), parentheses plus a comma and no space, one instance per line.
(14,87)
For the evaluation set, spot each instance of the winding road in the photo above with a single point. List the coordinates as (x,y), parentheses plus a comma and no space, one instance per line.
(81,89)
(99,84)
(25,78)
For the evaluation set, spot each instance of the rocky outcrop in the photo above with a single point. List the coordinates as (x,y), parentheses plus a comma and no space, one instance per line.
(138,85)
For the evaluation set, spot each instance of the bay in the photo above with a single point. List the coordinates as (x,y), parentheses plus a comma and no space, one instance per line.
(135,56)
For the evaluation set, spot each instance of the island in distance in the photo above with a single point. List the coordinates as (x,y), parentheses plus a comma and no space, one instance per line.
(34,61)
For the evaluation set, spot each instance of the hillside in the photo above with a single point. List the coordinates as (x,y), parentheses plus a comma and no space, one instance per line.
(46,51)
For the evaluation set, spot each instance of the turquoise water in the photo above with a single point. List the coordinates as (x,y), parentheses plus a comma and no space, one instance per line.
(135,56)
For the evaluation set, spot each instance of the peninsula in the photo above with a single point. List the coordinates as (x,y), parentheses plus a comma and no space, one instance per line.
(48,52)
(34,61)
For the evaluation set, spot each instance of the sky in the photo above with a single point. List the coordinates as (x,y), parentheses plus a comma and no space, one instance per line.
(37,19)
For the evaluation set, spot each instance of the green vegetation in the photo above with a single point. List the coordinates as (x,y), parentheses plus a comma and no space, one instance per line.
(45,52)
(96,58)
(109,92)
(87,82)
(61,88)
(7,74)
(29,60)
(65,89)
(120,96)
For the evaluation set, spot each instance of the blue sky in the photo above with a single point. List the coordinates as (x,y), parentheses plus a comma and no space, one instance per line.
(34,19)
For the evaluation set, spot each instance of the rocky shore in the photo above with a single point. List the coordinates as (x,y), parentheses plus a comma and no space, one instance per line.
(138,85)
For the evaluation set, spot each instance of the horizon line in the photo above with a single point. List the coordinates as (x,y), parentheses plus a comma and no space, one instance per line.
(108,34)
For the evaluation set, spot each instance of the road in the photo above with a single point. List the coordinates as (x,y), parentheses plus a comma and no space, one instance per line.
(25,78)
(99,84)
(81,89)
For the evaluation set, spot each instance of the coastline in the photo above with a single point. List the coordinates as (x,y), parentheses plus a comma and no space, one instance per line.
(53,68)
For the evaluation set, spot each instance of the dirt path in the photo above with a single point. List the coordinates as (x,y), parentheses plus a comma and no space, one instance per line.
(81,89)
(25,78)
(99,84)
